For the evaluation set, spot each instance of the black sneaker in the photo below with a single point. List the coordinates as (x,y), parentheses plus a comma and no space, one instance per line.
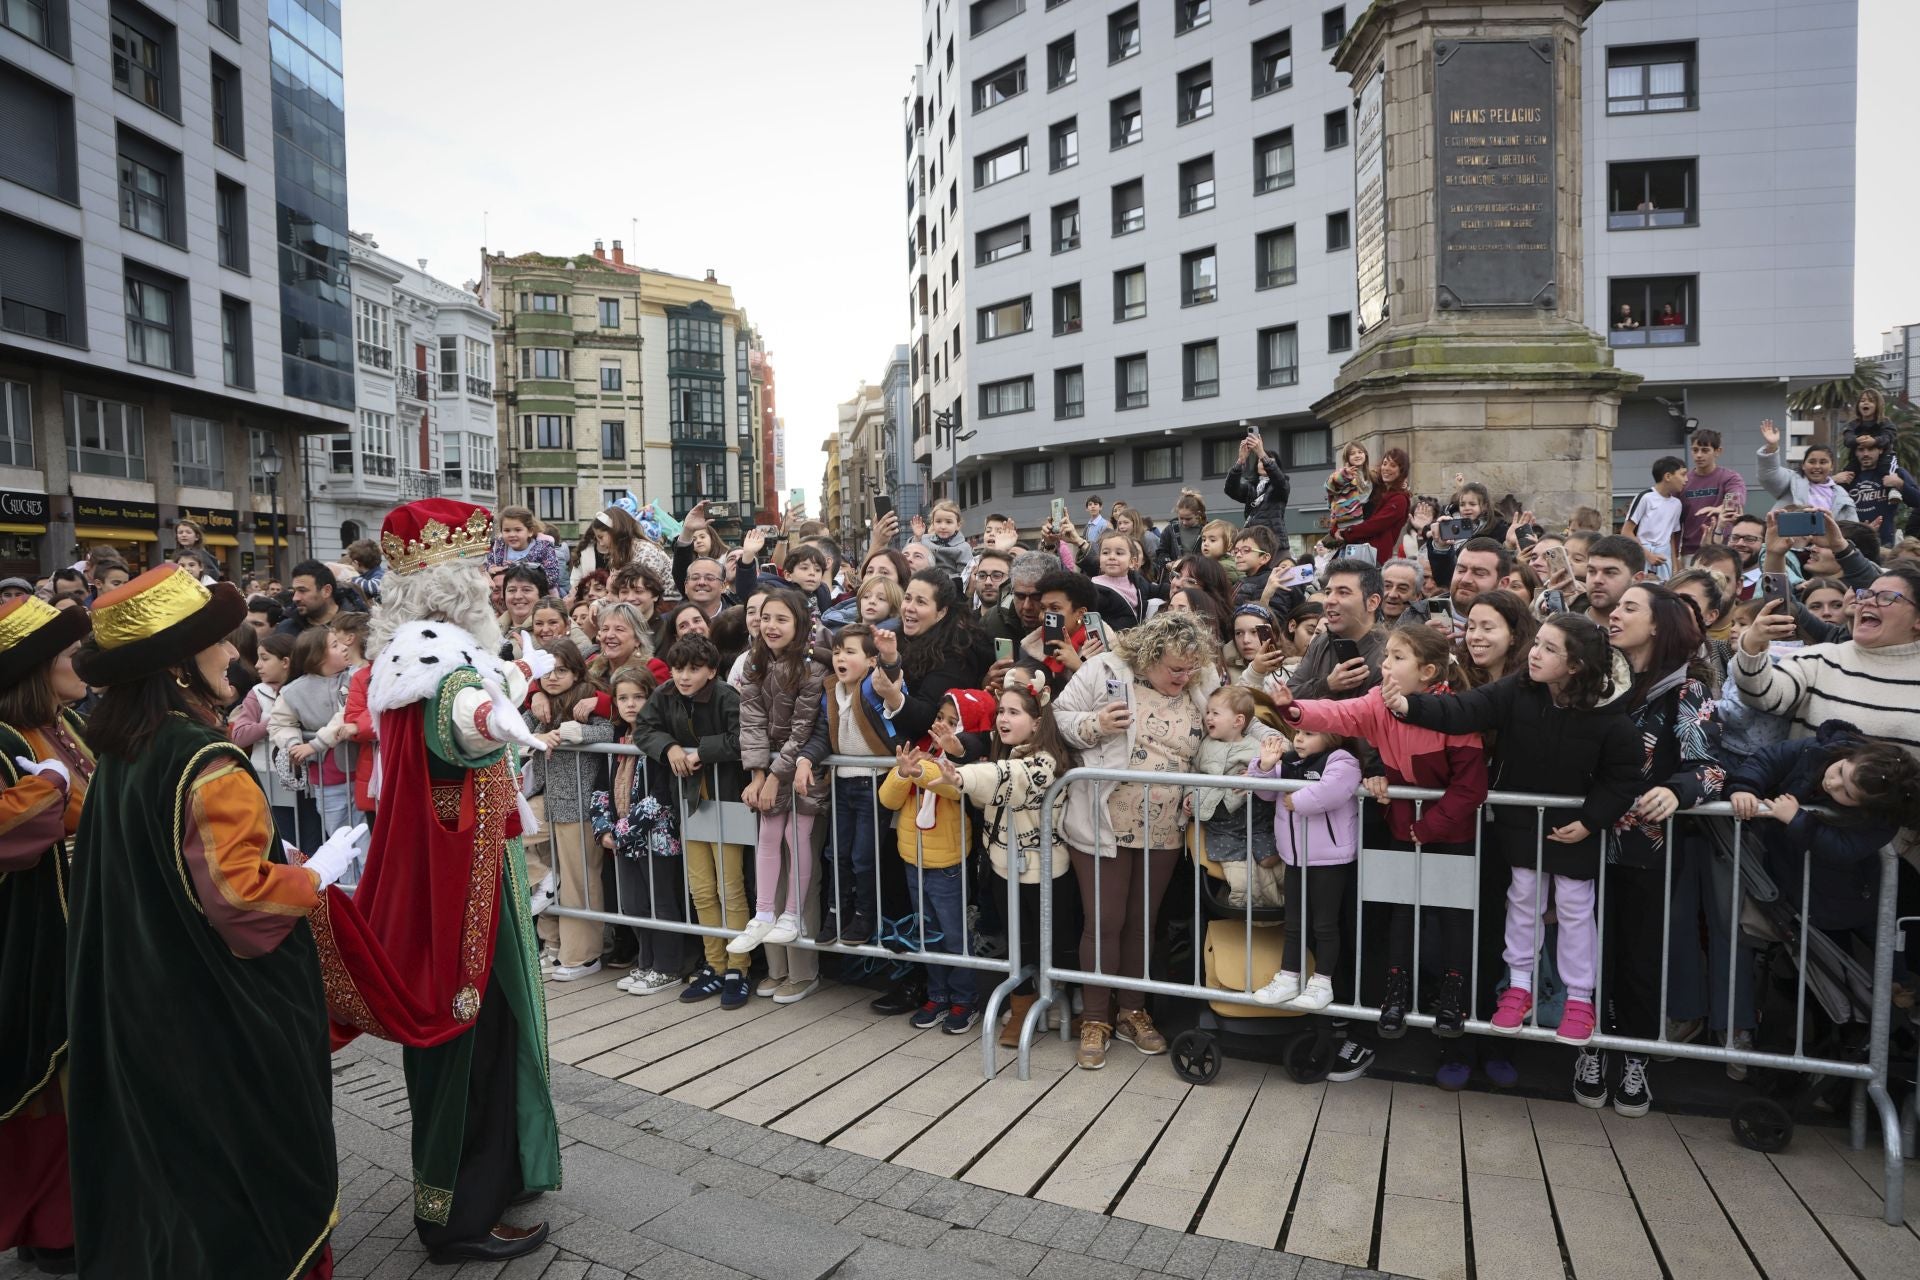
(1393,1005)
(733,989)
(928,1015)
(1449,1012)
(904,998)
(704,985)
(1350,1061)
(960,1020)
(1590,1078)
(859,931)
(1634,1097)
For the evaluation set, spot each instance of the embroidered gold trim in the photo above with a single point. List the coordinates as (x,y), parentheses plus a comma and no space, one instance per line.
(432,1204)
(345,1004)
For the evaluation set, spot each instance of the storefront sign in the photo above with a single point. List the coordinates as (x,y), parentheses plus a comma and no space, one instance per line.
(24,508)
(113,514)
(1494,172)
(213,520)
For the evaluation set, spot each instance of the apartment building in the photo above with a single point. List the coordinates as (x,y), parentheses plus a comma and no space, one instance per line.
(616,380)
(1129,230)
(424,416)
(174,305)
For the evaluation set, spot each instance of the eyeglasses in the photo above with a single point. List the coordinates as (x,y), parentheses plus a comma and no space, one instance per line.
(1882,599)
(989,576)
(1018,594)
(1753,539)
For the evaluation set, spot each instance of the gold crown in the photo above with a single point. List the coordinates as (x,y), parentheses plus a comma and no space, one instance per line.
(439,542)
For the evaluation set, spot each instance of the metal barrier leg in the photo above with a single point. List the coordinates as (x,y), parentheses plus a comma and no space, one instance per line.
(1879,1046)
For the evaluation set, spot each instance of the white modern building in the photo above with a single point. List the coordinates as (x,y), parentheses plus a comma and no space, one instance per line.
(1129,229)
(424,417)
(173,272)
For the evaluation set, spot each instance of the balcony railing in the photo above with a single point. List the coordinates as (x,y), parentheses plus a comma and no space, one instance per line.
(375,357)
(477,387)
(1639,219)
(35,322)
(418,484)
(412,385)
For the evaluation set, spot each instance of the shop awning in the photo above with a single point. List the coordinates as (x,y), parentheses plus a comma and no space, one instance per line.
(23,528)
(104,533)
(262,540)
(219,540)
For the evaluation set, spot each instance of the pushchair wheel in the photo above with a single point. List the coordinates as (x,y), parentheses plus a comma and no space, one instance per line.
(1196,1056)
(1309,1058)
(1762,1124)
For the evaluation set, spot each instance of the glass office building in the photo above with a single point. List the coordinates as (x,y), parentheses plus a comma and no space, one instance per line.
(310,193)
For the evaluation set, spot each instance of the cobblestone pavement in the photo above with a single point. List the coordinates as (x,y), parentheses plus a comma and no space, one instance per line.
(660,1190)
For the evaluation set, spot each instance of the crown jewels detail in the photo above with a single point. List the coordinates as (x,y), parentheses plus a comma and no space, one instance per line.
(438,543)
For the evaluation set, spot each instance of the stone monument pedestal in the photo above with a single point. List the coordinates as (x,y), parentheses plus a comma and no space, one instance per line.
(1474,355)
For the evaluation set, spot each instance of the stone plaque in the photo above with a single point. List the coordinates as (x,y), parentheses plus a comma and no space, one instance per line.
(1494,172)
(1370,201)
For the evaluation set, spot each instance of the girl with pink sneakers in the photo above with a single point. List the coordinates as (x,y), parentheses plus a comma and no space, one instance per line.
(1562,730)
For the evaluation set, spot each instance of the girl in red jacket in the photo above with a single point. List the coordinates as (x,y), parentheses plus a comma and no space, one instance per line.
(1418,658)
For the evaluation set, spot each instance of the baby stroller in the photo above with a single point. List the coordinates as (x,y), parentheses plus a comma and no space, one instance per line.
(1241,947)
(1838,1011)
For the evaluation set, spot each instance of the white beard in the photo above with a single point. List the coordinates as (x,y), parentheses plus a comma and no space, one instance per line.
(418,656)
(456,592)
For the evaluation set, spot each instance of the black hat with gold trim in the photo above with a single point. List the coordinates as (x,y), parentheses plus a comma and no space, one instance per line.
(33,632)
(159,620)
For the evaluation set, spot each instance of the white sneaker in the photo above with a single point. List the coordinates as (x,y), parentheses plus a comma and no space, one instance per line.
(626,983)
(785,929)
(544,894)
(752,936)
(1316,995)
(1284,987)
(649,982)
(573,972)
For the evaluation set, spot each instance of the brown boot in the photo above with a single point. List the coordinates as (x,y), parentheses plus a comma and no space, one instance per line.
(1017,1007)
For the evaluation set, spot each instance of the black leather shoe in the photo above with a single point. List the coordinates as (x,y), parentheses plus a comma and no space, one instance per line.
(901,999)
(55,1262)
(498,1245)
(1393,1005)
(1449,1011)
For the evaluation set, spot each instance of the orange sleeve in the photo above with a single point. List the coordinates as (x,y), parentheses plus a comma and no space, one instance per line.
(31,820)
(251,902)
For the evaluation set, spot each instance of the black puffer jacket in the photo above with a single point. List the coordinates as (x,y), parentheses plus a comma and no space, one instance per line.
(1547,750)
(1263,490)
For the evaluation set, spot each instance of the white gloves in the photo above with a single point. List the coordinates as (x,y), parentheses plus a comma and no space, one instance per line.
(53,768)
(504,722)
(539,661)
(331,860)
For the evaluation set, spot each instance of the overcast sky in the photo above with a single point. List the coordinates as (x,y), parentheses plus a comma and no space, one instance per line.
(761,138)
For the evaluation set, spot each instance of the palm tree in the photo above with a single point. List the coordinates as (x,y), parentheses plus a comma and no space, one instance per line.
(1823,401)
(1906,435)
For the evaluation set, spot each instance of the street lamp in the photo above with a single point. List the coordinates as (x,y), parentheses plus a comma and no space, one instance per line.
(943,422)
(270,464)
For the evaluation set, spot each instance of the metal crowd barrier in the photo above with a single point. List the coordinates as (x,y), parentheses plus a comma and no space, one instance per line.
(1423,879)
(733,824)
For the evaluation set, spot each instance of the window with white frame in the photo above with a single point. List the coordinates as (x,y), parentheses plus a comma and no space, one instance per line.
(340,455)
(373,333)
(1001,163)
(609,313)
(449,364)
(996,87)
(479,368)
(1007,240)
(482,451)
(16,425)
(610,377)
(106,437)
(551,501)
(546,431)
(376,443)
(199,452)
(1003,319)
(1651,77)
(546,362)
(1014,395)
(452,459)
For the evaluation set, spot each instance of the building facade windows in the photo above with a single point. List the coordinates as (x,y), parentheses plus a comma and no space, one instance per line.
(156,315)
(1653,311)
(698,412)
(1129,294)
(1279,356)
(1195,93)
(16,425)
(1339,231)
(373,333)
(996,87)
(1125,117)
(1336,129)
(1199,277)
(28,19)
(1000,164)
(1188,14)
(479,369)
(229,128)
(610,379)
(1650,194)
(236,342)
(42,297)
(1063,145)
(546,431)
(1069,394)
(1196,185)
(1003,319)
(1066,226)
(1272,63)
(449,364)
(1156,464)
(1273,161)
(1130,382)
(1035,476)
(141,56)
(377,457)
(1200,370)
(199,452)
(143,199)
(552,363)
(106,438)
(1092,471)
(1129,206)
(694,344)
(1062,64)
(1123,33)
(551,501)
(985,15)
(1340,332)
(1651,77)
(1013,395)
(230,223)
(1008,240)
(697,474)
(543,302)
(1276,260)
(613,440)
(609,309)
(1067,315)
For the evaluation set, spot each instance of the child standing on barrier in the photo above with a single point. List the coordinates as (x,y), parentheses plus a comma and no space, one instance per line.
(691,728)
(856,726)
(636,819)
(1420,661)
(567,780)
(1242,847)
(777,716)
(1562,724)
(1316,833)
(931,839)
(1028,755)
(247,726)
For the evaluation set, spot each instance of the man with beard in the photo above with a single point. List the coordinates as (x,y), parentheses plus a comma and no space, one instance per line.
(439,953)
(1615,563)
(313,598)
(1352,604)
(1018,611)
(1748,540)
(987,579)
(1478,567)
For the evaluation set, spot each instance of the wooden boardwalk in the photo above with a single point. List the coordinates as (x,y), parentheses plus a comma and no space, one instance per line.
(1404,1178)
